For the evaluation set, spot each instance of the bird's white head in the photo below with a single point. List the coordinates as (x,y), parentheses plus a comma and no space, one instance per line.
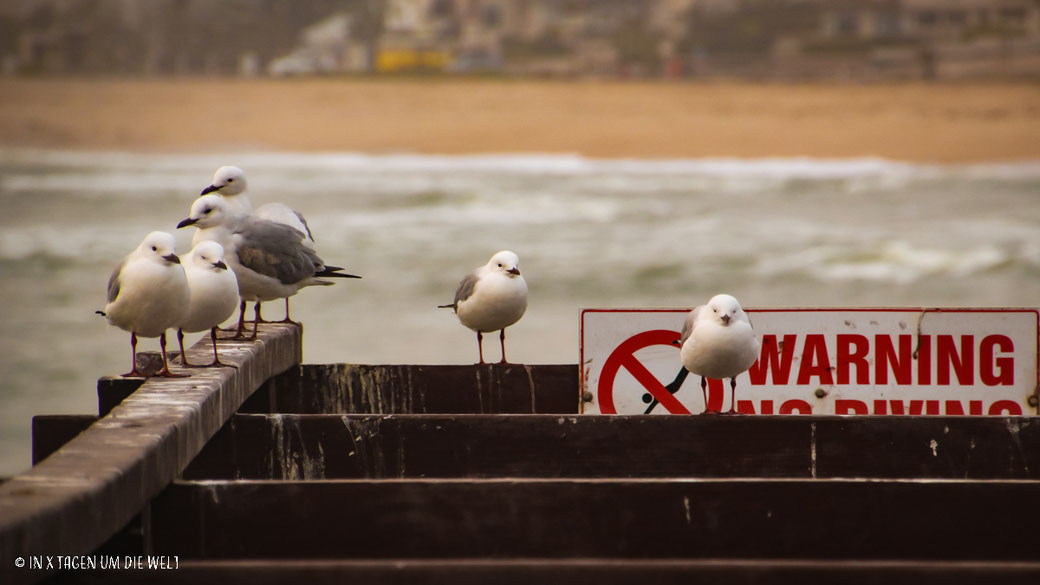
(206,212)
(159,246)
(725,309)
(506,263)
(227,181)
(208,255)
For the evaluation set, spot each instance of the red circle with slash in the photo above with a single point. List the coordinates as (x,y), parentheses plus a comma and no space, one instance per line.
(623,356)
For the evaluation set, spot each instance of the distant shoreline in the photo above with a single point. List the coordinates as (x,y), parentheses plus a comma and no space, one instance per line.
(947,123)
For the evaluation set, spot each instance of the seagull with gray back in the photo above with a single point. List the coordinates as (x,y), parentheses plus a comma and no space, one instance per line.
(148,294)
(491,298)
(269,259)
(214,295)
(230,183)
(717,341)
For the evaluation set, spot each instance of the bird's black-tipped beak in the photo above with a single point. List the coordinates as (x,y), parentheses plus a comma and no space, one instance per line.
(211,189)
(186,223)
(514,271)
(172,258)
(220,264)
(725,319)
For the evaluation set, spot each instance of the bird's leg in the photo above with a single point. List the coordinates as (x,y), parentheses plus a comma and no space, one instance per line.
(256,322)
(480,347)
(256,311)
(732,396)
(165,371)
(287,319)
(502,340)
(671,388)
(241,329)
(133,373)
(184,356)
(704,390)
(216,356)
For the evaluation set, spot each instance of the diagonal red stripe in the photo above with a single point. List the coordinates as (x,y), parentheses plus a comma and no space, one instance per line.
(652,385)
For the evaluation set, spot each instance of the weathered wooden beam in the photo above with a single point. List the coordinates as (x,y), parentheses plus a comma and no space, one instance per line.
(81,495)
(112,390)
(421,389)
(567,571)
(51,431)
(635,518)
(447,446)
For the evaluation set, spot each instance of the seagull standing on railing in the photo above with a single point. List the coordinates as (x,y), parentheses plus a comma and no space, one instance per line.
(214,295)
(269,259)
(492,298)
(148,294)
(230,183)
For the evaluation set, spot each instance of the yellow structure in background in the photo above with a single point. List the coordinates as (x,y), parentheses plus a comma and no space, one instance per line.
(404,60)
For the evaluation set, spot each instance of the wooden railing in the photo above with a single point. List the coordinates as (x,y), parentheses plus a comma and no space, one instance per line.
(73,501)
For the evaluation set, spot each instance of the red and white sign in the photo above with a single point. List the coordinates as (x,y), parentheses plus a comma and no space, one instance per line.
(823,361)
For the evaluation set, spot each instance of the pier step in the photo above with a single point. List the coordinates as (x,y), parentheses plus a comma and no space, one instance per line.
(315,447)
(420,389)
(608,518)
(466,474)
(524,571)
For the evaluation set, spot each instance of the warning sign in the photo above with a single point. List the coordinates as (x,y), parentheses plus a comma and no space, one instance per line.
(822,361)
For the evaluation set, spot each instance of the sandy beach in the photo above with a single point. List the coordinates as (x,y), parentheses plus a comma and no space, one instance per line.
(912,122)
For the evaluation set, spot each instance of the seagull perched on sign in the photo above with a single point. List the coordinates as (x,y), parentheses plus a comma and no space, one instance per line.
(717,342)
(214,295)
(491,298)
(269,259)
(148,294)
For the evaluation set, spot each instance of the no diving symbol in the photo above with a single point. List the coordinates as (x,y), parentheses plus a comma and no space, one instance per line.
(624,356)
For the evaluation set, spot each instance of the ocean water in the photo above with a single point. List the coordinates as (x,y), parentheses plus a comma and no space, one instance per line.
(590,233)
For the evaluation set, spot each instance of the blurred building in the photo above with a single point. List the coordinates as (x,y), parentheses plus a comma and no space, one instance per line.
(752,39)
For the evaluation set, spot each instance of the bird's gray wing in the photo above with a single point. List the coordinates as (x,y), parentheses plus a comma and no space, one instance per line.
(305,226)
(465,290)
(275,250)
(113,281)
(688,325)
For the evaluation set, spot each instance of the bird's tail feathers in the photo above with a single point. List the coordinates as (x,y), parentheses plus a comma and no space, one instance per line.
(313,281)
(335,272)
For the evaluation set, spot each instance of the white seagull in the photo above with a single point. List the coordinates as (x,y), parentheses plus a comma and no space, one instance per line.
(492,298)
(147,294)
(214,295)
(269,259)
(230,183)
(717,342)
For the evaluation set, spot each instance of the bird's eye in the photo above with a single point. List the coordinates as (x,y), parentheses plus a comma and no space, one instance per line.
(230,180)
(208,211)
(154,249)
(500,265)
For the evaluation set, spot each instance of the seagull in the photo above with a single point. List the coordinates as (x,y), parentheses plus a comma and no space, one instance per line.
(717,342)
(230,183)
(147,294)
(269,259)
(214,295)
(491,298)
